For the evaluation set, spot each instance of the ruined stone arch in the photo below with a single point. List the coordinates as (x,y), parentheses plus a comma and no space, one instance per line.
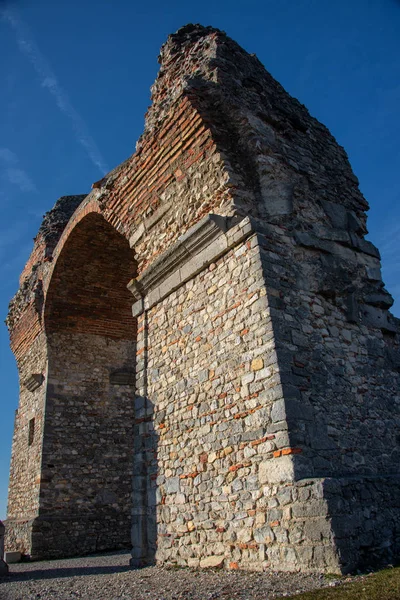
(254,280)
(91,348)
(87,287)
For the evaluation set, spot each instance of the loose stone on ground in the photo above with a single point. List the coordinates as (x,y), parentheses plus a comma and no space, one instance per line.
(109,577)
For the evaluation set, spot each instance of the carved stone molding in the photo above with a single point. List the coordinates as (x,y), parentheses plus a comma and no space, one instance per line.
(201,245)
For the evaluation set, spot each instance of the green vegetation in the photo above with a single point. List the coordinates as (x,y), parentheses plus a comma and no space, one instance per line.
(384,585)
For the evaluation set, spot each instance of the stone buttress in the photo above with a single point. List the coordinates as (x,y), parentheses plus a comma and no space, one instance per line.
(209,369)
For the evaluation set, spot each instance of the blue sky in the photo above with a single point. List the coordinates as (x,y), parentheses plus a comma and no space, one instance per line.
(75,79)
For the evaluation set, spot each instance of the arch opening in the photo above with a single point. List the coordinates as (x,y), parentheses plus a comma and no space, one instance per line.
(88,290)
(88,432)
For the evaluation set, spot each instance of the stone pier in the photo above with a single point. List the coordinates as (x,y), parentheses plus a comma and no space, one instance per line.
(3,565)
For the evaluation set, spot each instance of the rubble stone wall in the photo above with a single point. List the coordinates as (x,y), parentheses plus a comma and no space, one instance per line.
(210,378)
(364,518)
(339,369)
(87,445)
(23,498)
(219,467)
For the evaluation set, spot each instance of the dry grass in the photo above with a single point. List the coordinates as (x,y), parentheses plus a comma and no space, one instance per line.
(384,585)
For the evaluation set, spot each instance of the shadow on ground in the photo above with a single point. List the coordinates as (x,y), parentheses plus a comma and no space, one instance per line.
(59,572)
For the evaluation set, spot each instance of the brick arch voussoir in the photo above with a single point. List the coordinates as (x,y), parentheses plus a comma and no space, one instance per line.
(81,214)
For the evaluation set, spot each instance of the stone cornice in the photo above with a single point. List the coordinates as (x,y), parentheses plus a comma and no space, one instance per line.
(201,245)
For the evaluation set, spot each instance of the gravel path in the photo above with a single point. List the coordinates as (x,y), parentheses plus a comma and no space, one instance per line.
(109,577)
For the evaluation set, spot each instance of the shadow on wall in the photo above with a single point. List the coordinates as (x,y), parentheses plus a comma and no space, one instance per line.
(144,485)
(364,514)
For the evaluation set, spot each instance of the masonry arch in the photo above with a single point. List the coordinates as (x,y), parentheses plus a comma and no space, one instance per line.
(88,431)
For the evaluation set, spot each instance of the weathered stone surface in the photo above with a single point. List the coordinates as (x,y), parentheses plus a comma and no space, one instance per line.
(276,470)
(245,410)
(3,564)
(212,562)
(12,557)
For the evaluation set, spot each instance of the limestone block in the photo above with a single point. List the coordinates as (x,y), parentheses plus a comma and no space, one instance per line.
(138,307)
(257,364)
(212,562)
(276,470)
(277,196)
(337,214)
(12,557)
(264,535)
(278,412)
(3,564)
(364,245)
(135,237)
(317,529)
(172,485)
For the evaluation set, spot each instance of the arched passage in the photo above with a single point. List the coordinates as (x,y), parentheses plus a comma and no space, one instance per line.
(87,446)
(88,290)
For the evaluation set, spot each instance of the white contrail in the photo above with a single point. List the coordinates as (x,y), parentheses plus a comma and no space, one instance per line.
(48,80)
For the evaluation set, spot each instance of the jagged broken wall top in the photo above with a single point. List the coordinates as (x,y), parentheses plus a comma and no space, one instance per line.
(223,136)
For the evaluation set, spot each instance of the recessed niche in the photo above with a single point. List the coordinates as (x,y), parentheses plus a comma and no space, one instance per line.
(34,381)
(122,377)
(31,431)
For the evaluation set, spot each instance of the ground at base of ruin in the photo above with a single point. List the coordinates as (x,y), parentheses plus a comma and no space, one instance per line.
(109,577)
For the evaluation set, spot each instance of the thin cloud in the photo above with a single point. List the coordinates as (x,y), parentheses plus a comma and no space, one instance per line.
(389,237)
(49,81)
(19,178)
(12,172)
(8,156)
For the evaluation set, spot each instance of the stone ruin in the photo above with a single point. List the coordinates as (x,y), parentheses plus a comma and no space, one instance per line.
(209,370)
(3,564)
